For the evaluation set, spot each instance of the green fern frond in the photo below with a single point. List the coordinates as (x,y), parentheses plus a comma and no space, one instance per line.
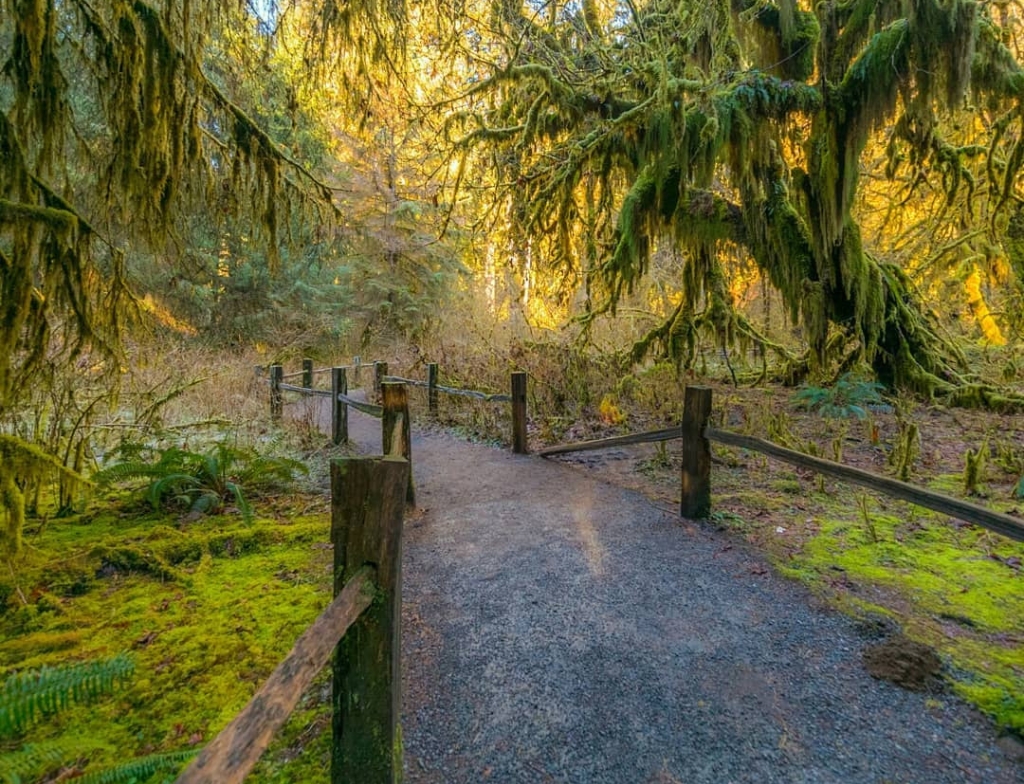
(30,762)
(25,696)
(127,472)
(262,472)
(139,770)
(203,481)
(243,505)
(168,485)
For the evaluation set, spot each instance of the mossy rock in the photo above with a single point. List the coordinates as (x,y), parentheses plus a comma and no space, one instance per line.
(127,559)
(69,581)
(237,543)
(185,553)
(175,547)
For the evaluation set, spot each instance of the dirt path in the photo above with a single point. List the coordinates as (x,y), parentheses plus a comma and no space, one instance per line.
(558,629)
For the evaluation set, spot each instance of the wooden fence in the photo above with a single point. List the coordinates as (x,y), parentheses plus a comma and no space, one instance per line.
(362,626)
(695,479)
(342,401)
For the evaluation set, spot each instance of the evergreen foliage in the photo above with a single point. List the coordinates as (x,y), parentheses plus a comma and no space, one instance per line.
(139,770)
(120,123)
(845,399)
(25,697)
(29,696)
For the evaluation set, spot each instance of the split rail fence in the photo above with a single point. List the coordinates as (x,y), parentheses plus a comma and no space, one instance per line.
(697,435)
(361,627)
(384,388)
(362,624)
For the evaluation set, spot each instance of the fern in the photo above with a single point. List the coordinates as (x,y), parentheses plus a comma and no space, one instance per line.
(845,399)
(138,770)
(202,482)
(23,765)
(25,696)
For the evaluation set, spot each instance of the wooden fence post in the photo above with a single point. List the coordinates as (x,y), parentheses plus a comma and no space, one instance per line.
(366,528)
(276,404)
(339,409)
(519,413)
(696,474)
(395,424)
(432,389)
(307,374)
(380,369)
(357,363)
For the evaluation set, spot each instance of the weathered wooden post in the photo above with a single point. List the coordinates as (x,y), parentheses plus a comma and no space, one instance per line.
(396,428)
(366,528)
(339,408)
(696,474)
(276,404)
(519,413)
(307,374)
(357,363)
(380,369)
(432,389)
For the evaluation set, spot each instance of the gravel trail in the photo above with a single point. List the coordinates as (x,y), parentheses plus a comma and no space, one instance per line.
(558,629)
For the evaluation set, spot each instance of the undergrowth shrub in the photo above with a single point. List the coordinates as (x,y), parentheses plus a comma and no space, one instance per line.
(845,399)
(200,482)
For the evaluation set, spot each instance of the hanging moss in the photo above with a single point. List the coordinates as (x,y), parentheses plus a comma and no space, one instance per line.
(20,464)
(707,139)
(791,35)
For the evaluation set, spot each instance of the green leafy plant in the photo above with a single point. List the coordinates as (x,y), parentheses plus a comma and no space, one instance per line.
(26,697)
(845,399)
(201,481)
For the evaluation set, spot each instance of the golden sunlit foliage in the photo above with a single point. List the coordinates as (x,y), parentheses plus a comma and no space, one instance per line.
(706,126)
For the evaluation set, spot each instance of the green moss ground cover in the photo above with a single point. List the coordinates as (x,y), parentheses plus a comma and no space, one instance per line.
(956,587)
(206,609)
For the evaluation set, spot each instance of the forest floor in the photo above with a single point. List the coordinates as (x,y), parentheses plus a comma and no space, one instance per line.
(562,628)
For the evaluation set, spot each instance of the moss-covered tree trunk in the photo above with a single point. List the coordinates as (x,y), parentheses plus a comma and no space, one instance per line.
(736,122)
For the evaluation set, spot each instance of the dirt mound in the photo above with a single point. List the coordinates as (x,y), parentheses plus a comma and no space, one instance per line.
(904,662)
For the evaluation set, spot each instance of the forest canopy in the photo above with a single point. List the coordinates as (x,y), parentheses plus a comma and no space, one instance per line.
(790,134)
(709,126)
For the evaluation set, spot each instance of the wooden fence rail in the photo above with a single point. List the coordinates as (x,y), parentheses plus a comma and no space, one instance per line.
(362,406)
(696,472)
(695,479)
(487,397)
(304,390)
(962,510)
(648,437)
(362,626)
(341,400)
(230,756)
